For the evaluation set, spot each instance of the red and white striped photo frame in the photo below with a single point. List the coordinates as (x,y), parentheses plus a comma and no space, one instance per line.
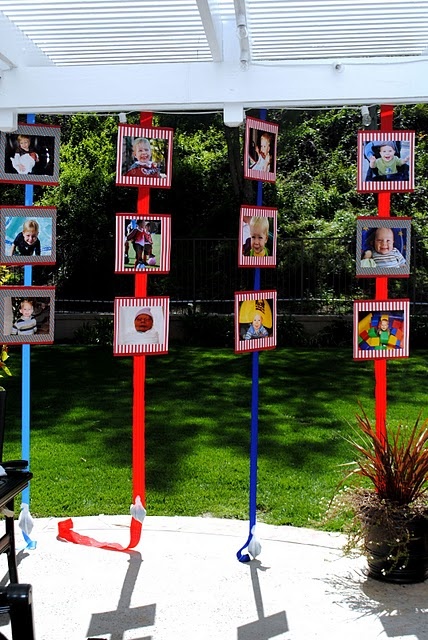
(259,222)
(144,156)
(381,329)
(260,150)
(255,320)
(386,161)
(153,255)
(141,326)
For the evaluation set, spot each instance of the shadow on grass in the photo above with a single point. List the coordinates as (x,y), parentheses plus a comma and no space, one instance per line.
(200,399)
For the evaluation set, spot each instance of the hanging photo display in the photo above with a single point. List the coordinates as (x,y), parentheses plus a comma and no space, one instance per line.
(381,329)
(30,154)
(144,156)
(255,320)
(386,161)
(28,235)
(27,315)
(383,247)
(257,237)
(143,243)
(141,325)
(260,150)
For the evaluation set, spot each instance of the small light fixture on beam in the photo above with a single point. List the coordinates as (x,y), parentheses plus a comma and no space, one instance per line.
(241,27)
(245,59)
(365,114)
(122,117)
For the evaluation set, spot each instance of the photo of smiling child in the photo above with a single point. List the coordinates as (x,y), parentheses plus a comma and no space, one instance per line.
(27,241)
(259,234)
(143,164)
(386,161)
(28,235)
(144,156)
(257,237)
(383,246)
(383,253)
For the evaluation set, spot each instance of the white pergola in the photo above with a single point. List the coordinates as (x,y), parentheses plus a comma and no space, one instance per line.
(68,56)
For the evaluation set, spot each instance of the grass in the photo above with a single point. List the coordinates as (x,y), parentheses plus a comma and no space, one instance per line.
(197,428)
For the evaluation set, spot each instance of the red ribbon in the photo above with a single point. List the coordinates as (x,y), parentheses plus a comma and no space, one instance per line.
(66,532)
(65,528)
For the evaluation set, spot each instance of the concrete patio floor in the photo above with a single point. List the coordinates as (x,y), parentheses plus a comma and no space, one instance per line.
(184,582)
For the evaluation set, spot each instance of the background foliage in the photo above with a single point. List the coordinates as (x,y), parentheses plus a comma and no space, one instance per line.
(315,190)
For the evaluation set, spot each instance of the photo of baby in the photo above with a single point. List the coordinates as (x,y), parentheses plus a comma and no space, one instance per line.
(381,329)
(260,149)
(383,246)
(385,161)
(255,320)
(257,231)
(141,325)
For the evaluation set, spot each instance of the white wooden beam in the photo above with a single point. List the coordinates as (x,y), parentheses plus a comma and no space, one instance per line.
(207,86)
(8,121)
(209,12)
(16,49)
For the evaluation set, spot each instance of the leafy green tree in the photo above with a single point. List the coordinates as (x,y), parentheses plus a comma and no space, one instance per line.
(86,200)
(315,191)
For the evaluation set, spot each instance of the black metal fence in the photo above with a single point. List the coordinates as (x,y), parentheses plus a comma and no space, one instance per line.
(312,276)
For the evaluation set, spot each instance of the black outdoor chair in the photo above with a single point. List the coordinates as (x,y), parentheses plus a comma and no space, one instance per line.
(15,599)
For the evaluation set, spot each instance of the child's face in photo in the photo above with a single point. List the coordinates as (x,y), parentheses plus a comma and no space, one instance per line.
(387,153)
(384,325)
(258,238)
(264,147)
(384,240)
(257,322)
(143,152)
(30,236)
(143,322)
(26,310)
(24,143)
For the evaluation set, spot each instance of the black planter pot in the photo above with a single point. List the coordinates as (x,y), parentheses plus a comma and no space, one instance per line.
(401,564)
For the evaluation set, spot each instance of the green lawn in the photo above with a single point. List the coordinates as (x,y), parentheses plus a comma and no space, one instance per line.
(197,428)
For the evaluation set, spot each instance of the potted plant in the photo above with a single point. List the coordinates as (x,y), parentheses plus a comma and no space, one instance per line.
(388,506)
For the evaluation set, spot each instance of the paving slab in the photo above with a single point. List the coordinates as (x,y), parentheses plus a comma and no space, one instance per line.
(184,582)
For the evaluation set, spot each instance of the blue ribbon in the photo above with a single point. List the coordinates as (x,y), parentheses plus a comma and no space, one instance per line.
(254,409)
(30,544)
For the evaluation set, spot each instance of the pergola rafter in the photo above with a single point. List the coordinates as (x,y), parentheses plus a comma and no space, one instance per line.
(65,56)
